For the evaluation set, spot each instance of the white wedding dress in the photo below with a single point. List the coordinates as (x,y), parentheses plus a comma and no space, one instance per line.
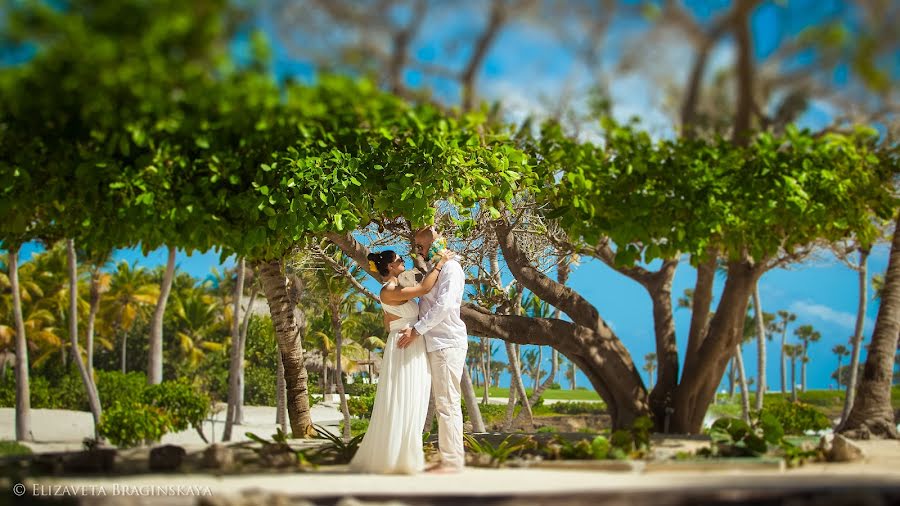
(393,441)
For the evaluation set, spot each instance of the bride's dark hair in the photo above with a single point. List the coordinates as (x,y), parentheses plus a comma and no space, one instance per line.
(379,261)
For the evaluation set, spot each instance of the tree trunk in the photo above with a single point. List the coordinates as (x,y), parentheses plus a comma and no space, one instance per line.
(511,399)
(783,359)
(23,390)
(123,352)
(515,381)
(703,370)
(338,373)
(280,396)
(803,360)
(429,415)
(761,345)
(742,380)
(239,405)
(793,378)
(840,363)
(872,412)
(92,318)
(236,357)
(850,397)
(659,287)
(86,378)
(154,364)
(731,379)
(485,369)
(471,399)
(286,322)
(537,372)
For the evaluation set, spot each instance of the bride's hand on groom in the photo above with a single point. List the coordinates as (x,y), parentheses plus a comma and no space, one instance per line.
(446,255)
(406,337)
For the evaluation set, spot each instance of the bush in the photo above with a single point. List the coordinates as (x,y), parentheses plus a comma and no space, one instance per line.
(360,389)
(129,424)
(361,407)
(796,417)
(578,408)
(11,448)
(183,404)
(555,386)
(490,413)
(259,386)
(70,393)
(114,386)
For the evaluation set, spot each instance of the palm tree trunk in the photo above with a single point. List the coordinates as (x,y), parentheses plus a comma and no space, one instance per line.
(840,363)
(239,405)
(742,379)
(338,374)
(783,359)
(154,364)
(23,390)
(236,357)
(280,396)
(850,397)
(92,318)
(511,399)
(122,354)
(516,381)
(429,415)
(761,344)
(803,360)
(86,378)
(287,331)
(537,372)
(485,352)
(872,412)
(793,378)
(573,374)
(471,399)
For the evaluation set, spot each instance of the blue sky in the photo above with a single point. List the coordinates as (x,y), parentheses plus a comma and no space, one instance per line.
(528,69)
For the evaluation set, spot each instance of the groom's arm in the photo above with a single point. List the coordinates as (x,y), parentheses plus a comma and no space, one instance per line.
(450,291)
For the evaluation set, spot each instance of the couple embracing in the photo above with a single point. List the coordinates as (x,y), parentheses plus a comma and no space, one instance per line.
(425,353)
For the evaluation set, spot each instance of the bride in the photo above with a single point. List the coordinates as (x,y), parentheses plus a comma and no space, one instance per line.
(393,441)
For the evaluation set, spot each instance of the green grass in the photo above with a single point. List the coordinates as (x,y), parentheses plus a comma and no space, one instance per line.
(829,402)
(13,448)
(549,394)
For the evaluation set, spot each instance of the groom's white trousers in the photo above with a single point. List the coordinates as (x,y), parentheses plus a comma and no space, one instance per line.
(446,373)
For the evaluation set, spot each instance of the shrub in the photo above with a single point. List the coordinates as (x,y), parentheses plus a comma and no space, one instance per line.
(578,408)
(360,389)
(10,448)
(259,386)
(796,417)
(361,407)
(184,405)
(129,424)
(555,386)
(114,386)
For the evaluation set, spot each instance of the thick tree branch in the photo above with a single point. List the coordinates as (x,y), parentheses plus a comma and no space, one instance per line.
(570,302)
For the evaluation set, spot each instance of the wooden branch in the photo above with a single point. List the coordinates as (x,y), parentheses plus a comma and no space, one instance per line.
(467,76)
(340,269)
(580,310)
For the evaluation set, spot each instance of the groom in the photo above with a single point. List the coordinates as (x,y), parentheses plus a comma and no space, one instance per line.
(446,340)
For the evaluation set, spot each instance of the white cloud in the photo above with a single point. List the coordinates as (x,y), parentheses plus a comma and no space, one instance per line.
(826,314)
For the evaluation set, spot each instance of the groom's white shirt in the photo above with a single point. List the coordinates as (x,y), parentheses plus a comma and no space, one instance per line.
(439,320)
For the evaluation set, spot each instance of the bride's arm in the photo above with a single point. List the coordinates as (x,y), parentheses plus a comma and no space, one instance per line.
(395,293)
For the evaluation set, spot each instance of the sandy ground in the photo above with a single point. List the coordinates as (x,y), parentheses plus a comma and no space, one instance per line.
(57,430)
(63,430)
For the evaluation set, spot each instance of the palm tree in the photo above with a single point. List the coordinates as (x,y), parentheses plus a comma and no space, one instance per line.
(131,293)
(340,298)
(86,376)
(537,308)
(571,374)
(785,318)
(841,351)
(793,351)
(197,313)
(872,411)
(650,366)
(155,359)
(23,393)
(856,343)
(806,334)
(761,336)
